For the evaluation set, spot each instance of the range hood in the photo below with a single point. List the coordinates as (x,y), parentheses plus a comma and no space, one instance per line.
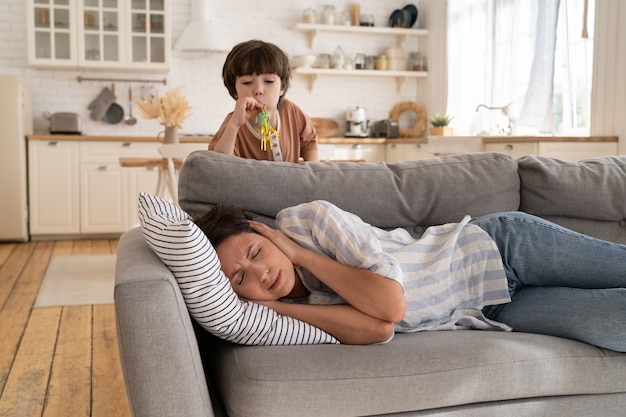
(199,34)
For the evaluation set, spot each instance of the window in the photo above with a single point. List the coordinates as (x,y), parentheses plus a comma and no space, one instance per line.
(526,61)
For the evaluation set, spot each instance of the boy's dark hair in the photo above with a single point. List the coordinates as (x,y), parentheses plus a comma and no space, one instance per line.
(256,57)
(221,222)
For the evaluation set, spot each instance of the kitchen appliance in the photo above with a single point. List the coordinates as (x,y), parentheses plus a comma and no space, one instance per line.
(357,125)
(66,123)
(385,129)
(16,121)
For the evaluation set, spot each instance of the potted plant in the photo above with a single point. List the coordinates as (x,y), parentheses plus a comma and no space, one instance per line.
(440,125)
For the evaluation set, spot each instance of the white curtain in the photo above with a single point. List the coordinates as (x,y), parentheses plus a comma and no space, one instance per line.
(501,55)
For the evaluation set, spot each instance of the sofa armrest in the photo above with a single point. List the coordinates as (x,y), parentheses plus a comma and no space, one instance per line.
(158,348)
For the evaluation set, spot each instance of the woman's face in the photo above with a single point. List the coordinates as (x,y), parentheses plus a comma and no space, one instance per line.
(256,268)
(264,88)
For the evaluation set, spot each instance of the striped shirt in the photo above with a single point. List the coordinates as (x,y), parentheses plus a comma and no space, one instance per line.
(449,274)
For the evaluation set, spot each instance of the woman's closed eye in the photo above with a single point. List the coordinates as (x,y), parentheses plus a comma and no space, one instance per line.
(252,254)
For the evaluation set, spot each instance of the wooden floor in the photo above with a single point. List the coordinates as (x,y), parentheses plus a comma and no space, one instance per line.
(55,361)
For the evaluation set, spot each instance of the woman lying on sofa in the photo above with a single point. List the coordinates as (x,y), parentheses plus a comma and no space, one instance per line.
(362,284)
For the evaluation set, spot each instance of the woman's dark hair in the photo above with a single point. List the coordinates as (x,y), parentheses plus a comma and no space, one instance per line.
(221,222)
(256,57)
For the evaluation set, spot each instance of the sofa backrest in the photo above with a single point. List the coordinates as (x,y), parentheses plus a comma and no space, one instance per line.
(410,194)
(588,196)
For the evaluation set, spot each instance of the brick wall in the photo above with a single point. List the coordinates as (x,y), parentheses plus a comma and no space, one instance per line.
(200,73)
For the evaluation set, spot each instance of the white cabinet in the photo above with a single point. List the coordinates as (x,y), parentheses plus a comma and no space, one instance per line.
(53,170)
(352,152)
(108,191)
(78,187)
(103,199)
(514,149)
(576,151)
(395,152)
(52,33)
(568,151)
(99,34)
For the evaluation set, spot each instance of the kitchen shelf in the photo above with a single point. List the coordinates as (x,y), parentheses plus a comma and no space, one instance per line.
(400,33)
(400,76)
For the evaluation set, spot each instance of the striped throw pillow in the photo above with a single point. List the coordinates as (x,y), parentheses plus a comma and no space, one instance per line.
(211,301)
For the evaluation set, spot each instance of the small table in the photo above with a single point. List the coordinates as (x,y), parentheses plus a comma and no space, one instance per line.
(161,164)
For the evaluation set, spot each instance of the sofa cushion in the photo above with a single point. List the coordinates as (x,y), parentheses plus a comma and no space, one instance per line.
(209,297)
(587,196)
(388,195)
(417,371)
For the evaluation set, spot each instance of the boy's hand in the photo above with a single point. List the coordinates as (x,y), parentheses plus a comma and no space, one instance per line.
(244,108)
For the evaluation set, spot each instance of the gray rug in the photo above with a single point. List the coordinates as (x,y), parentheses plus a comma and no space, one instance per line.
(77,280)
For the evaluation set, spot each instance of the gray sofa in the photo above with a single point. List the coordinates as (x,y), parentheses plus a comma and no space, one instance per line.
(173,369)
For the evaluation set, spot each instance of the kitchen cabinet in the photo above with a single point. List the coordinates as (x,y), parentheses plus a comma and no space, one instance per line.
(514,149)
(401,34)
(53,175)
(360,151)
(99,34)
(565,150)
(106,192)
(576,151)
(395,152)
(78,187)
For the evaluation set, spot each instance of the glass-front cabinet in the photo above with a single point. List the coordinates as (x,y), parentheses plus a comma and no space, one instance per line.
(100,43)
(149,40)
(52,32)
(99,34)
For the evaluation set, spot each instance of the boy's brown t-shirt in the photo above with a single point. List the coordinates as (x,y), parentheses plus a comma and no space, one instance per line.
(297,136)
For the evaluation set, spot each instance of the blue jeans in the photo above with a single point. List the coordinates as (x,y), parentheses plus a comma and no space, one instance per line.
(562,283)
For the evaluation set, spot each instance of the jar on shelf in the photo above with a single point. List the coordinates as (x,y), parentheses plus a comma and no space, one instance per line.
(370,62)
(417,62)
(338,58)
(328,14)
(323,61)
(359,61)
(309,15)
(382,63)
(367,20)
(345,18)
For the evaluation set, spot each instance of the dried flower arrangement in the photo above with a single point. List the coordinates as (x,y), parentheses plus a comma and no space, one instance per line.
(172,109)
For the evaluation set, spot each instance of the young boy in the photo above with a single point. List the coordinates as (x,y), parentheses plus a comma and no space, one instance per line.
(362,283)
(257,76)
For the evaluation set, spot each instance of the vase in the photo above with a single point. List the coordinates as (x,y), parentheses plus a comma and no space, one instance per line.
(442,131)
(170,134)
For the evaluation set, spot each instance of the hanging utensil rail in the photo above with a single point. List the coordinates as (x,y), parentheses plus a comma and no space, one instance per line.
(127,80)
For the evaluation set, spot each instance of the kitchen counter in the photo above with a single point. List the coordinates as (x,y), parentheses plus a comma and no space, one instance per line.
(183,139)
(485,139)
(338,140)
(523,139)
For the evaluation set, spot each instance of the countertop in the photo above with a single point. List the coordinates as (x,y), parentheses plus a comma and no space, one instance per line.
(183,139)
(337,140)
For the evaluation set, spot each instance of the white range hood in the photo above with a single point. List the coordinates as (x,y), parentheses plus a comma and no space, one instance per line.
(200,34)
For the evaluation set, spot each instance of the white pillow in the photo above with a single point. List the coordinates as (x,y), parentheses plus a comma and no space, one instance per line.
(211,301)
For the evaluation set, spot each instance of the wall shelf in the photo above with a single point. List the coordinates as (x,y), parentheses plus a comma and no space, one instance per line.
(400,76)
(400,33)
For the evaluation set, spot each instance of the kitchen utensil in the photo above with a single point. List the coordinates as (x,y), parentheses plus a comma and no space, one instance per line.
(401,18)
(130,120)
(101,103)
(115,112)
(325,127)
(64,122)
(413,13)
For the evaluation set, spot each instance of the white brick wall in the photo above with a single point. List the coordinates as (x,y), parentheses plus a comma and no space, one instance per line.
(200,74)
